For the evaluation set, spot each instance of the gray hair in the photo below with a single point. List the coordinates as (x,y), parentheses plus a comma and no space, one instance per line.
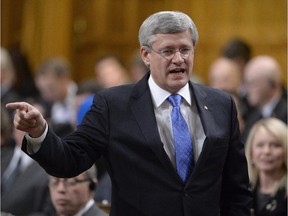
(58,66)
(166,22)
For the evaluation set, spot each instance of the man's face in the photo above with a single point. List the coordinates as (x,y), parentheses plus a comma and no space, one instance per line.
(258,88)
(69,195)
(170,74)
(225,75)
(52,88)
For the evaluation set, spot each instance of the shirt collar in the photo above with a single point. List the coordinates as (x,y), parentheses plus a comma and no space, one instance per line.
(159,95)
(85,209)
(267,110)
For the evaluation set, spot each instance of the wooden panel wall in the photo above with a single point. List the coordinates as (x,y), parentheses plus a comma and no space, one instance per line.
(46,29)
(83,30)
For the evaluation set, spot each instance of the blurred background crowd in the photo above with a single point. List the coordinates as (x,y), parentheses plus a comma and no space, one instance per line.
(57,54)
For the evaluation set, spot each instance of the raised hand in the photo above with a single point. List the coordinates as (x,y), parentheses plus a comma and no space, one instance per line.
(28,119)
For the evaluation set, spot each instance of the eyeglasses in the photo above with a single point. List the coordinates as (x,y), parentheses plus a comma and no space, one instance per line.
(169,54)
(54,182)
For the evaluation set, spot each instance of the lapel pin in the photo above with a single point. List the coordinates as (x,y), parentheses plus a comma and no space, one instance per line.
(205,107)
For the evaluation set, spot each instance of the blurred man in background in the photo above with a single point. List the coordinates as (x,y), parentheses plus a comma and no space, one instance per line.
(74,196)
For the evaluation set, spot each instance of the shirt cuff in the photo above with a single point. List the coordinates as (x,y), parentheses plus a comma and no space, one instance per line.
(34,144)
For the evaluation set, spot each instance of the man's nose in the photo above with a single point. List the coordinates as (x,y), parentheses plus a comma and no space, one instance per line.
(177,56)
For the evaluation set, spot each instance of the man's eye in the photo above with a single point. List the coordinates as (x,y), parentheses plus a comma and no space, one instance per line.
(167,52)
(184,50)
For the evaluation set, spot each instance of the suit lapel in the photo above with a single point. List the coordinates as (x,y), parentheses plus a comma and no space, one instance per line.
(142,109)
(205,110)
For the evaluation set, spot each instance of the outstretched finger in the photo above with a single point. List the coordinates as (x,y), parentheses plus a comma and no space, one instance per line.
(18,105)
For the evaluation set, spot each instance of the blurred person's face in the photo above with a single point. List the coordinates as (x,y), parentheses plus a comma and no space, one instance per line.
(69,195)
(260,79)
(267,152)
(225,75)
(110,73)
(258,88)
(52,88)
(7,76)
(170,74)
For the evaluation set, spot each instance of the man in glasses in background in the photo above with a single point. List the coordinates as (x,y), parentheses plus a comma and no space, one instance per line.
(74,196)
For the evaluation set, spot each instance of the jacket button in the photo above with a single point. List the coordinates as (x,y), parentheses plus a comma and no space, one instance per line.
(185,193)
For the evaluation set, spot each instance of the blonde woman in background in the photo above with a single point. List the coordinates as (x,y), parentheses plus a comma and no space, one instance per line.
(266,151)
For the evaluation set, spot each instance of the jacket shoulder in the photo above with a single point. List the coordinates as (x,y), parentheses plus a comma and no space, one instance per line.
(209,92)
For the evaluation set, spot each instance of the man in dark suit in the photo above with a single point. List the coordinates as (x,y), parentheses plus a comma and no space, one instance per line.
(24,183)
(263,81)
(132,127)
(74,196)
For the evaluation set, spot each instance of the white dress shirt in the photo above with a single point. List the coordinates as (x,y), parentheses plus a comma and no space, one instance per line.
(86,208)
(267,110)
(17,155)
(163,109)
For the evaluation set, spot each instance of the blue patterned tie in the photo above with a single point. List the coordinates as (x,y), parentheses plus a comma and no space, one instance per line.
(182,139)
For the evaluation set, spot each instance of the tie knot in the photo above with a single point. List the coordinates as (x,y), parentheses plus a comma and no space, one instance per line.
(175,100)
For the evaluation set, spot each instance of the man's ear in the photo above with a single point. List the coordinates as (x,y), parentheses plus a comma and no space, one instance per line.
(145,55)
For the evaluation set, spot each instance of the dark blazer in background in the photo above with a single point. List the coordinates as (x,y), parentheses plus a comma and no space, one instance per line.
(103,190)
(121,126)
(29,194)
(275,206)
(279,112)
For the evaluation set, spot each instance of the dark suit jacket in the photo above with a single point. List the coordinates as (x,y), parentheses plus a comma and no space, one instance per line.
(29,194)
(275,206)
(104,189)
(279,112)
(121,126)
